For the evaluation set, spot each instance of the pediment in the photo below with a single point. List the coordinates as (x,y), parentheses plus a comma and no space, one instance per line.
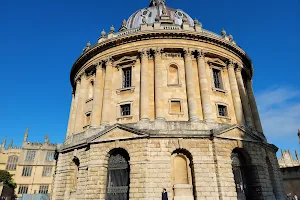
(217,61)
(125,61)
(238,133)
(117,132)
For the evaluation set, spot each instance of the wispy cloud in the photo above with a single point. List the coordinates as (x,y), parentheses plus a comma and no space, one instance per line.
(280,112)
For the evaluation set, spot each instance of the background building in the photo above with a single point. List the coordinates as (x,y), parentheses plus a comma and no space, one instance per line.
(290,169)
(164,103)
(32,165)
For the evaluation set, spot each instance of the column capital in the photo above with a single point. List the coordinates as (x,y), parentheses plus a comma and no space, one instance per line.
(157,51)
(143,53)
(230,63)
(108,61)
(187,52)
(238,67)
(200,54)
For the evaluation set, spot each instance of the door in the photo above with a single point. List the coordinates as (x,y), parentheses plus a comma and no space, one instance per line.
(117,178)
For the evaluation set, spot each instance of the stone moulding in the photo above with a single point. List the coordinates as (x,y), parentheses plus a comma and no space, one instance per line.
(153,35)
(217,132)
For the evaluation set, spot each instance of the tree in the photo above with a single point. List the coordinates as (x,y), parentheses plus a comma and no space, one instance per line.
(7,179)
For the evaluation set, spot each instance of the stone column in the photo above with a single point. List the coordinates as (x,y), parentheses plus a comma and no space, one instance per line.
(253,106)
(98,96)
(75,105)
(190,86)
(244,98)
(204,88)
(158,87)
(107,106)
(235,94)
(79,121)
(71,117)
(144,85)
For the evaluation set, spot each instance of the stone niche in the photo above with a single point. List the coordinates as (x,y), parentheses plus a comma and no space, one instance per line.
(182,177)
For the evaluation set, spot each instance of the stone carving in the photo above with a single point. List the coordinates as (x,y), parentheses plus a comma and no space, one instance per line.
(112,29)
(103,34)
(223,33)
(144,20)
(123,27)
(88,46)
(187,52)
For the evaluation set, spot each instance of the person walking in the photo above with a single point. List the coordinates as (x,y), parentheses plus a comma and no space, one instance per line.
(164,194)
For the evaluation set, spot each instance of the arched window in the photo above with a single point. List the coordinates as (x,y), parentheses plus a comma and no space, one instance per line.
(271,175)
(173,75)
(91,90)
(182,174)
(118,175)
(12,163)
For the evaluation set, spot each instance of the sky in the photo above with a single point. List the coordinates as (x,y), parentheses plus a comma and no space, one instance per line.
(40,41)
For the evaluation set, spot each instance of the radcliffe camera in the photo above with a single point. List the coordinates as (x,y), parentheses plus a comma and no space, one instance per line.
(178,101)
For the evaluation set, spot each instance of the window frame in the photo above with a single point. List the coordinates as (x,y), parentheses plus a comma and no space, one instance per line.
(217,64)
(48,156)
(12,163)
(27,171)
(119,110)
(124,69)
(170,106)
(47,171)
(30,155)
(23,189)
(227,110)
(44,189)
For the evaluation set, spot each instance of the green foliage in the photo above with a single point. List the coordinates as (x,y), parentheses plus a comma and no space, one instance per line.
(7,179)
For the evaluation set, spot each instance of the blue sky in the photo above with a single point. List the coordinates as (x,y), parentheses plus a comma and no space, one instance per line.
(40,40)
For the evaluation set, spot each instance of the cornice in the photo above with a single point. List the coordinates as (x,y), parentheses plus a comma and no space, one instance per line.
(154,35)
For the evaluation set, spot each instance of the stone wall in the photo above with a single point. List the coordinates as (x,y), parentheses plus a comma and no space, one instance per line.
(150,168)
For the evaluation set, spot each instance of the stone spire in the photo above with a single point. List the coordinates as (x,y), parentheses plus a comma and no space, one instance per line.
(26,135)
(10,146)
(157,3)
(4,142)
(47,138)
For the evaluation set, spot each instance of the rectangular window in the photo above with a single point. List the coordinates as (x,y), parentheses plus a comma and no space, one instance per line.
(125,110)
(27,171)
(175,106)
(217,79)
(43,189)
(23,189)
(222,110)
(47,171)
(126,77)
(50,156)
(30,155)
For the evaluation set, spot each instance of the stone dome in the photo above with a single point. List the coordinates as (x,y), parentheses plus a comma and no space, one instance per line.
(154,11)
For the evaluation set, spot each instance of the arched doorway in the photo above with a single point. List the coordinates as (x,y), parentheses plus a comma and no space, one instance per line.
(238,169)
(118,175)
